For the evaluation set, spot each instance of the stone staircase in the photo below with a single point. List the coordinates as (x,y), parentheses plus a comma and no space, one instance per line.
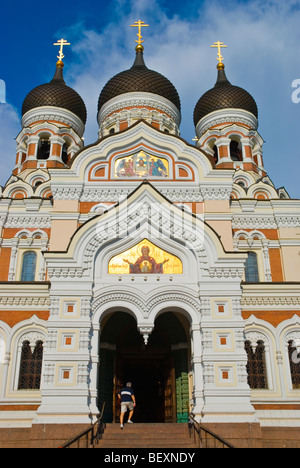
(141,435)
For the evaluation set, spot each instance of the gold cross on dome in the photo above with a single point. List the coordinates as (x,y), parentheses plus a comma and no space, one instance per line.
(61,43)
(139,24)
(219,45)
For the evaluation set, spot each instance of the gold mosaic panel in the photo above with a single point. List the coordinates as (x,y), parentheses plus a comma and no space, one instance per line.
(141,165)
(145,258)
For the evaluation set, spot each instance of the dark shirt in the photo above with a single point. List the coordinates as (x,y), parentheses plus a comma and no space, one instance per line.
(126,394)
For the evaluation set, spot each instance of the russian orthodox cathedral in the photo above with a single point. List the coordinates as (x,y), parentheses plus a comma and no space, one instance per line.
(145,258)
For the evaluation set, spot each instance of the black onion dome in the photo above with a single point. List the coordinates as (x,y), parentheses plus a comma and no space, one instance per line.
(224,95)
(139,78)
(56,94)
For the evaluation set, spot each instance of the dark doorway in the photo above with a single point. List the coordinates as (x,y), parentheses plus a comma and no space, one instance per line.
(147,377)
(156,370)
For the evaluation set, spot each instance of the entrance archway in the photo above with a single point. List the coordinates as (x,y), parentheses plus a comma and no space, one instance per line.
(159,371)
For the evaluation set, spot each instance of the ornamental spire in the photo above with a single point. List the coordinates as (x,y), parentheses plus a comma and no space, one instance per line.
(220,57)
(61,43)
(139,24)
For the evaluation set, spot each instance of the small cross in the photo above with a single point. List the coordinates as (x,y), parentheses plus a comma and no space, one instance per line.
(61,43)
(139,24)
(219,45)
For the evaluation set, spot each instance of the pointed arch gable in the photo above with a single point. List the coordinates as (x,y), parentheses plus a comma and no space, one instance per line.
(198,166)
(145,214)
(142,135)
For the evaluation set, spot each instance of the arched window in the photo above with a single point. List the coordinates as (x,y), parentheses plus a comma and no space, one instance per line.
(256,368)
(31,366)
(251,268)
(43,148)
(294,358)
(235,151)
(216,154)
(64,153)
(29,266)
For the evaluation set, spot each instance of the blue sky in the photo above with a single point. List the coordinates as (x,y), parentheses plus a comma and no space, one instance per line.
(263,39)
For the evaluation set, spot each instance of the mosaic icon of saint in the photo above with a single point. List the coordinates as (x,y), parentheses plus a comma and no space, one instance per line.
(157,168)
(145,263)
(129,171)
(141,166)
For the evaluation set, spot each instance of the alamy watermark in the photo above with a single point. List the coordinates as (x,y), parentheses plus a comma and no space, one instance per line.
(155,221)
(296,93)
(296,353)
(295,357)
(2,92)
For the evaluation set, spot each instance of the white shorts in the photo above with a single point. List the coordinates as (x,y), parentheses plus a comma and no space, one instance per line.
(126,405)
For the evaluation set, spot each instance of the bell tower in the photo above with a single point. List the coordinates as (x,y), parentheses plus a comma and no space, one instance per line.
(226,123)
(53,123)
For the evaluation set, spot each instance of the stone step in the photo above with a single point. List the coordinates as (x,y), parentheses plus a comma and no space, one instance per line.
(141,435)
(145,446)
(143,427)
(121,435)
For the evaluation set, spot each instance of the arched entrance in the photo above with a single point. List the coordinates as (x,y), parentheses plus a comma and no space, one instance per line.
(159,371)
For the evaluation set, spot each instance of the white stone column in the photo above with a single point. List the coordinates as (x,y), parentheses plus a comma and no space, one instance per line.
(196,361)
(13,260)
(265,249)
(94,371)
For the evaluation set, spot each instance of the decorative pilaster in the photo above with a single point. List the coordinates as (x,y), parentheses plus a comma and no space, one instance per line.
(196,363)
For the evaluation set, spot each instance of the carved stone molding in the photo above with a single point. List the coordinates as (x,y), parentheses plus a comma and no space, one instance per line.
(222,272)
(20,302)
(53,114)
(139,99)
(264,221)
(254,337)
(66,272)
(32,337)
(96,194)
(288,221)
(119,296)
(253,222)
(66,193)
(146,306)
(271,301)
(215,118)
(176,297)
(18,221)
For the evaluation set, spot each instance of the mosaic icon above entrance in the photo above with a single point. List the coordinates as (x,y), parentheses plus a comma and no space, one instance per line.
(145,258)
(141,165)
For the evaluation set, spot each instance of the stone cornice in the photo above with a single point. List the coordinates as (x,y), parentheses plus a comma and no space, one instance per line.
(139,99)
(20,296)
(27,221)
(264,221)
(271,296)
(226,116)
(56,114)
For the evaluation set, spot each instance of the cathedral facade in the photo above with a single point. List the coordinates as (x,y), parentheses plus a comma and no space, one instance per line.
(143,257)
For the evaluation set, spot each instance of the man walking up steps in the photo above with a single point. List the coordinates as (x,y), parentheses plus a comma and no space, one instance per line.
(127,403)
